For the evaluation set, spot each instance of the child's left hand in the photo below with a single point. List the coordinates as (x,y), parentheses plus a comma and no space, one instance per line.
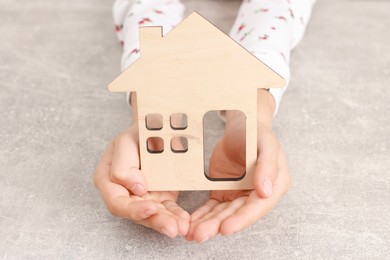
(227,212)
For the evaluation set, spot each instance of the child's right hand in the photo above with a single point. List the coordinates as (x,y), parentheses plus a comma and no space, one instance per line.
(123,189)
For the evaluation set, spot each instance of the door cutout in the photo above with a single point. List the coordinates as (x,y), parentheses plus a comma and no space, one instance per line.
(224,145)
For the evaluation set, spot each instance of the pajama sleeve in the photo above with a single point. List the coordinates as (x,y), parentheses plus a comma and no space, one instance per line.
(270,30)
(129,15)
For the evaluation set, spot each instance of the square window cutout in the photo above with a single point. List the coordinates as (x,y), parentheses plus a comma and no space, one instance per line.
(154,121)
(155,145)
(178,121)
(179,144)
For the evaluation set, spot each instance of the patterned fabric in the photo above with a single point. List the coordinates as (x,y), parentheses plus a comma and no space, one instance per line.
(269,29)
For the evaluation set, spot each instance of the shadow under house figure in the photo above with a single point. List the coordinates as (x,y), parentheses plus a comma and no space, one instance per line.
(192,70)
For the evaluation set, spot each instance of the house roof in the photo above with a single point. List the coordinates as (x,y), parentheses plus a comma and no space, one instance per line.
(194,54)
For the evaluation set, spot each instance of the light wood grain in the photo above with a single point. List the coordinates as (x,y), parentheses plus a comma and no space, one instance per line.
(194,69)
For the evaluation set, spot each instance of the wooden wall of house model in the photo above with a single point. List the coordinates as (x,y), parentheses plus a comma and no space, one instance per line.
(194,69)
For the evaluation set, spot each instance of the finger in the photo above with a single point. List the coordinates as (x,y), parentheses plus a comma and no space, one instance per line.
(163,222)
(206,230)
(182,216)
(206,208)
(125,163)
(257,207)
(175,209)
(135,210)
(207,225)
(214,211)
(116,197)
(102,179)
(200,213)
(267,164)
(146,212)
(211,227)
(254,209)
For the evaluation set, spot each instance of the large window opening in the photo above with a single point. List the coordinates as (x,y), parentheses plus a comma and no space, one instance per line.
(224,137)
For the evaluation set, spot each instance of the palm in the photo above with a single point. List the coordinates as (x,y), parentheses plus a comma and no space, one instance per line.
(228,212)
(228,161)
(168,214)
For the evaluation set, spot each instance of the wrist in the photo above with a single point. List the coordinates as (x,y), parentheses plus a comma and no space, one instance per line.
(265,108)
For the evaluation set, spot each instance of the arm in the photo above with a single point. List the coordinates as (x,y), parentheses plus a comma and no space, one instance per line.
(228,212)
(269,30)
(129,15)
(117,177)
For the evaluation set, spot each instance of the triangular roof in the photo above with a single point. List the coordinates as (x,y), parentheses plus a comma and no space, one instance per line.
(194,51)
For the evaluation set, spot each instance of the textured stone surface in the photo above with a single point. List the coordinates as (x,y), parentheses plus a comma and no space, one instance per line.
(56,117)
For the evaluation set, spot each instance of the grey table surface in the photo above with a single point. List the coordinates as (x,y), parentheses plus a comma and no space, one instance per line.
(56,118)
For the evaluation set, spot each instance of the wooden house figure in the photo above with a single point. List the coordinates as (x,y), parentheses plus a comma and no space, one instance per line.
(193,69)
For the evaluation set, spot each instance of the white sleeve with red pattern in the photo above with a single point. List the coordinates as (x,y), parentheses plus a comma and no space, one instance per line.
(130,15)
(270,30)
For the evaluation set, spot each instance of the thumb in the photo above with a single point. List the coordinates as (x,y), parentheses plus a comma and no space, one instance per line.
(125,163)
(267,164)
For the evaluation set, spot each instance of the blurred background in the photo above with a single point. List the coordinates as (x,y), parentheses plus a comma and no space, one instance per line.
(57,116)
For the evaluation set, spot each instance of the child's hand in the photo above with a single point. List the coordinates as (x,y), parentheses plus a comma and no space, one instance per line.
(227,212)
(123,188)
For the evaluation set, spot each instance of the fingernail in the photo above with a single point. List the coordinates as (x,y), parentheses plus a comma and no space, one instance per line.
(138,189)
(205,239)
(267,187)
